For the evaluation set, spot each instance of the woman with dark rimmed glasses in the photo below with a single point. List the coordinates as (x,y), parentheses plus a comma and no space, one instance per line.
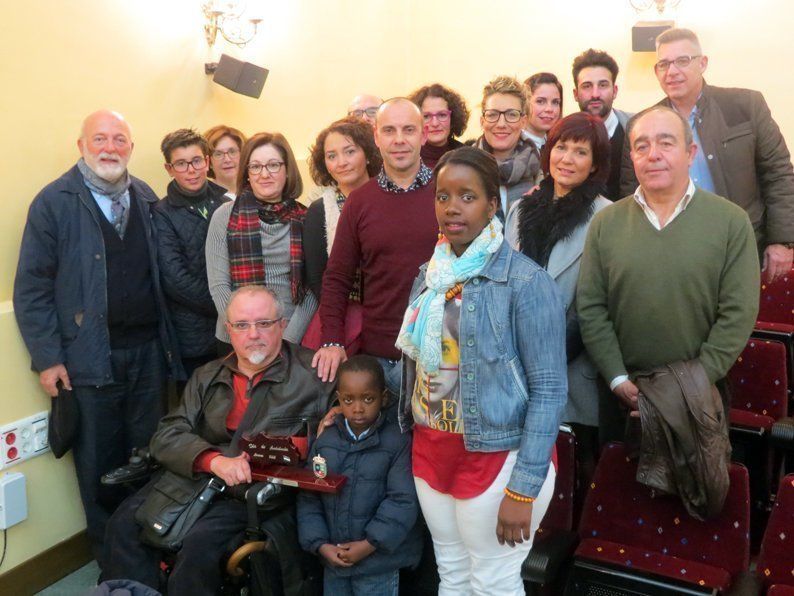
(258,239)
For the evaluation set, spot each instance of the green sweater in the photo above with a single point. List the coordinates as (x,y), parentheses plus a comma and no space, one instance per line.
(650,297)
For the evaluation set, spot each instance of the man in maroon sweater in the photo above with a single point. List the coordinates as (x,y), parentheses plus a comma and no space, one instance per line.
(387,229)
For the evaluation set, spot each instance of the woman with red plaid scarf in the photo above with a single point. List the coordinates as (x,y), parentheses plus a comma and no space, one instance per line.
(257,239)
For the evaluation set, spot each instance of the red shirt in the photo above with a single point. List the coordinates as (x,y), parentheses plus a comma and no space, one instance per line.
(241,386)
(440,459)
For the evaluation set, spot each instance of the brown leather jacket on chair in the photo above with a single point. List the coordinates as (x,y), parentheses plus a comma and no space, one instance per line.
(685,448)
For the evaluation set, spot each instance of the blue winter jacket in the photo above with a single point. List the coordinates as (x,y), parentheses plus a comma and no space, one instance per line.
(378,502)
(513,367)
(60,289)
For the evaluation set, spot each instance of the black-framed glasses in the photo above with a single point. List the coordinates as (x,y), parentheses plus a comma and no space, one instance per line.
(680,63)
(232,153)
(181,165)
(441,115)
(261,325)
(511,116)
(371,112)
(272,166)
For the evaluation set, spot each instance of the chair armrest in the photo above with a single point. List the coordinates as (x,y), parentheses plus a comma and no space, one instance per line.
(546,557)
(782,434)
(746,583)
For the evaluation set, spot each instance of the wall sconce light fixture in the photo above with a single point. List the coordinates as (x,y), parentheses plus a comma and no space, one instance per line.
(227,17)
(643,5)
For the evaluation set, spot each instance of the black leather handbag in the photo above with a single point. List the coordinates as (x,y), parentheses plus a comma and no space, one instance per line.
(64,422)
(172,506)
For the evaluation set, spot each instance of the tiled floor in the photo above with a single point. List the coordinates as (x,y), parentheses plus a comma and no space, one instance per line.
(79,583)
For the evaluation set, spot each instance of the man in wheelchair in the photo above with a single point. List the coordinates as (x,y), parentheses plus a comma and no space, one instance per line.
(265,385)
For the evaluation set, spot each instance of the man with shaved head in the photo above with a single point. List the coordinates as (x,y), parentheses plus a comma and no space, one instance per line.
(90,309)
(387,229)
(365,106)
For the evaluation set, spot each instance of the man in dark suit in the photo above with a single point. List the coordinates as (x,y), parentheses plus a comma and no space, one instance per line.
(741,154)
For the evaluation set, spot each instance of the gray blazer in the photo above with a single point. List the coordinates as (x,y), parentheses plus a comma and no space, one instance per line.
(563,266)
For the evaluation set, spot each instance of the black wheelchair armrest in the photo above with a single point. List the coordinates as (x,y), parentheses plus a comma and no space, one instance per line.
(782,434)
(546,557)
(140,467)
(746,583)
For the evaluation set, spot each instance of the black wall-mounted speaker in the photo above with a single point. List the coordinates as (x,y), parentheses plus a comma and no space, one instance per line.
(241,77)
(644,34)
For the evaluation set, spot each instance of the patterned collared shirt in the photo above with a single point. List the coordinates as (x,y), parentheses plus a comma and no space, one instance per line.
(422,178)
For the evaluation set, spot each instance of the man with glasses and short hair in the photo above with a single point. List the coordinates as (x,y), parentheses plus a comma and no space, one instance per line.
(267,385)
(90,308)
(366,107)
(182,219)
(387,230)
(741,155)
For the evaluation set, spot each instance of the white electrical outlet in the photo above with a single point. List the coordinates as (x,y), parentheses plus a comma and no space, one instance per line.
(13,500)
(23,439)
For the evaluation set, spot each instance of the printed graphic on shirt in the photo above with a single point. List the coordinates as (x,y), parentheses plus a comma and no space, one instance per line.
(436,399)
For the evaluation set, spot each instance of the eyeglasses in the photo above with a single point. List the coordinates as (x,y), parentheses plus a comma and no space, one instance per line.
(680,63)
(272,166)
(260,325)
(511,116)
(198,163)
(441,115)
(232,153)
(371,112)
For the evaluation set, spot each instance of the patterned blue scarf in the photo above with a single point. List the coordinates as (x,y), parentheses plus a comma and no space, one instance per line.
(420,334)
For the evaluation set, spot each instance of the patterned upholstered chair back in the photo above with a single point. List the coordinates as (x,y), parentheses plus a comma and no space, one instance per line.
(776,560)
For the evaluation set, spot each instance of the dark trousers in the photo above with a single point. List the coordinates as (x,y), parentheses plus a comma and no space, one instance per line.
(113,419)
(197,569)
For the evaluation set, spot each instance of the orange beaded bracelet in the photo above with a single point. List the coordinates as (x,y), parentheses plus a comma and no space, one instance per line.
(517,497)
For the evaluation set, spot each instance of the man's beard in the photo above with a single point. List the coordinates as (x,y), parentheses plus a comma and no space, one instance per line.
(257,357)
(110,172)
(602,113)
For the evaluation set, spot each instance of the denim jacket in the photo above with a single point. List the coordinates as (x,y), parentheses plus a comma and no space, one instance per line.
(513,373)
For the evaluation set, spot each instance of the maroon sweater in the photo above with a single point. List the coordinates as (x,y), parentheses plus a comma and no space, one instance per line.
(389,235)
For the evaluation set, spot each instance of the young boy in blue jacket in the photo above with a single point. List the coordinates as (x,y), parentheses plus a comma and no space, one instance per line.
(367,531)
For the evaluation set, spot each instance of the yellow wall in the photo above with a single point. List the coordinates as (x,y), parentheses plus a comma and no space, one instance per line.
(65,58)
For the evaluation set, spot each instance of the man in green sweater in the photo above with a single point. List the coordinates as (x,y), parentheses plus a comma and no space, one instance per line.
(670,273)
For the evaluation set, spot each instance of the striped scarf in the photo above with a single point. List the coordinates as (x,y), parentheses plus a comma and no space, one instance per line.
(246,262)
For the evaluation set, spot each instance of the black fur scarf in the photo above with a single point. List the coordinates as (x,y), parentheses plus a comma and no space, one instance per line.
(543,221)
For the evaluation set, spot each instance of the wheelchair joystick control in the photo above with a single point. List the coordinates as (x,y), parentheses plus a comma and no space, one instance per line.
(267,492)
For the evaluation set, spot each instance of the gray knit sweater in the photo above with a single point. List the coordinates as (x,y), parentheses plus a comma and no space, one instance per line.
(275,248)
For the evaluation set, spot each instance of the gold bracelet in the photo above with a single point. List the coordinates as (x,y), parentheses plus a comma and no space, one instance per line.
(517,497)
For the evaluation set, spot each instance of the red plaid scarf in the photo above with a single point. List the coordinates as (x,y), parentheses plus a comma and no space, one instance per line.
(246,263)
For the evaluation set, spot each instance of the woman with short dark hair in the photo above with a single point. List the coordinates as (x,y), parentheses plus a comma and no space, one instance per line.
(225,146)
(550,226)
(445,116)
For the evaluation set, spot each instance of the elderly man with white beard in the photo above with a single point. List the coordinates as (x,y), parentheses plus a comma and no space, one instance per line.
(90,309)
(265,385)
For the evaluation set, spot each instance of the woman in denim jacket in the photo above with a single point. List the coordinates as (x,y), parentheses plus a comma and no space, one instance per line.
(484,385)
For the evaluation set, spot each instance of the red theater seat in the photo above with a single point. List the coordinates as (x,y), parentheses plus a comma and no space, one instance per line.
(775,565)
(636,542)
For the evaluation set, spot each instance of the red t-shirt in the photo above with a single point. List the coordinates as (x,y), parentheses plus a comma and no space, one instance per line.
(439,454)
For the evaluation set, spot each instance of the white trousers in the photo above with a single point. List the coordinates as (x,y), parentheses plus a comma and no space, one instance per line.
(470,559)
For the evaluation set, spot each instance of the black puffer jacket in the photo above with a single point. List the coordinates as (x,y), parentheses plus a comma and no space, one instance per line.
(181,234)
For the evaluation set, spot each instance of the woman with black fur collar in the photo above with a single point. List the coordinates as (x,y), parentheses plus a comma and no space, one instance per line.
(549,225)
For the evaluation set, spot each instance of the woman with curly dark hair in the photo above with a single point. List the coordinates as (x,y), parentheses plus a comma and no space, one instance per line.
(445,115)
(344,156)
